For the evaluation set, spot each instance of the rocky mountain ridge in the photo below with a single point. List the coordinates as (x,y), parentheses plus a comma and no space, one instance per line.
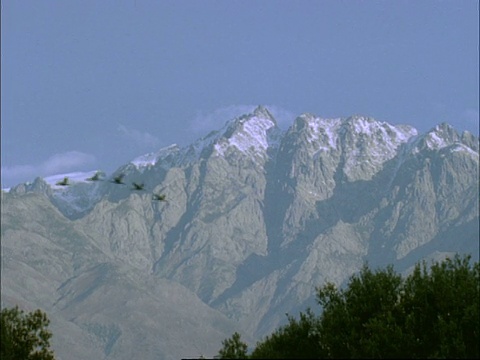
(257,218)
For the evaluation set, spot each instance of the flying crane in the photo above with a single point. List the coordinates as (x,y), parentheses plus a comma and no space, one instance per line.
(138,186)
(95,177)
(118,179)
(160,197)
(63,182)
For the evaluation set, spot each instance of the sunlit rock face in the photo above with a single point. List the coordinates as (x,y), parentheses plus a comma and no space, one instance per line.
(255,218)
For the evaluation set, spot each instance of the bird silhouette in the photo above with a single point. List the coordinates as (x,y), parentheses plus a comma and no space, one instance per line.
(64,182)
(160,197)
(118,179)
(138,186)
(95,177)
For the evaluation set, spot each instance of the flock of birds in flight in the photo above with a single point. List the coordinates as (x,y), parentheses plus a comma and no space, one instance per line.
(116,180)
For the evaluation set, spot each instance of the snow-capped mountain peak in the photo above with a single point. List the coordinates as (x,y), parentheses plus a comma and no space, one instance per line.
(322,131)
(444,136)
(243,234)
(369,143)
(253,133)
(371,127)
(440,136)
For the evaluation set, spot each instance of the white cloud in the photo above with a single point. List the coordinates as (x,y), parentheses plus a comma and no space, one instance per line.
(71,160)
(203,123)
(56,164)
(138,138)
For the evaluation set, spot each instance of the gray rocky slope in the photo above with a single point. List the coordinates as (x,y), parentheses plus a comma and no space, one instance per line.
(256,219)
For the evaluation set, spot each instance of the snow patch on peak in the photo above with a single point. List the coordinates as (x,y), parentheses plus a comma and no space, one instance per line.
(463,148)
(151,159)
(249,134)
(254,134)
(145,160)
(323,132)
(403,133)
(442,135)
(364,125)
(368,144)
(434,141)
(370,126)
(439,137)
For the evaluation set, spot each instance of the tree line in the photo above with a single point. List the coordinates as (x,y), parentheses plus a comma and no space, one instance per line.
(432,313)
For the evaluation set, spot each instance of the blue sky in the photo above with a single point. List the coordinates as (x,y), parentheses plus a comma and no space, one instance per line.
(88,84)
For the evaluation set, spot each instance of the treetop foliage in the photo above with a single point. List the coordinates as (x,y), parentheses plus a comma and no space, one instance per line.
(24,336)
(433,312)
(233,348)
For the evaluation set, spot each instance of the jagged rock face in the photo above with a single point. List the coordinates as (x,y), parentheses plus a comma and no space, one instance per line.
(256,218)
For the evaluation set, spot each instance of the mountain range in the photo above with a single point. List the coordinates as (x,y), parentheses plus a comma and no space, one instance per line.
(255,219)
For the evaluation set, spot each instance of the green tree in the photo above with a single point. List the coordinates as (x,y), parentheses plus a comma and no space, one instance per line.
(6,344)
(233,348)
(296,340)
(362,320)
(441,309)
(25,336)
(379,315)
(433,313)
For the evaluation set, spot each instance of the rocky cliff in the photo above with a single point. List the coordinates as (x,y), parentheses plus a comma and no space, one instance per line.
(256,218)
